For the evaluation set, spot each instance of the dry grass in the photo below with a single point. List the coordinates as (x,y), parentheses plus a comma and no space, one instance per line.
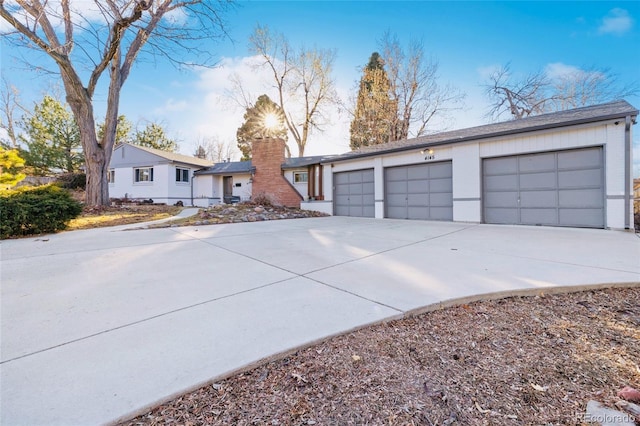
(516,361)
(124,215)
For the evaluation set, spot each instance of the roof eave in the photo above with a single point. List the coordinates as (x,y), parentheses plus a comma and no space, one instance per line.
(541,127)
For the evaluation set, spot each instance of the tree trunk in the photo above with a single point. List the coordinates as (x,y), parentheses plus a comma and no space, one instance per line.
(96,165)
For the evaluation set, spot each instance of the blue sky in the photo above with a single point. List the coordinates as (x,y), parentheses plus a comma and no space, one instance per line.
(466,38)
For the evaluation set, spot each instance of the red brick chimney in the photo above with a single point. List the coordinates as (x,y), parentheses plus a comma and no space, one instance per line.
(267,156)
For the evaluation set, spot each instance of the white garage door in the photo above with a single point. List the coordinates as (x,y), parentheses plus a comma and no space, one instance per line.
(562,188)
(421,191)
(353,193)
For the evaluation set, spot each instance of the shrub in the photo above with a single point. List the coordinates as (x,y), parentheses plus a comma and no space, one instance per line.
(262,199)
(72,181)
(43,209)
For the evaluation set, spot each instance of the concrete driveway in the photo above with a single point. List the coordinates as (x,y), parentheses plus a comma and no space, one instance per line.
(99,324)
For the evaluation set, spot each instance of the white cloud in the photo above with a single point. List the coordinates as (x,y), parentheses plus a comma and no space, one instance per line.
(559,70)
(170,106)
(616,22)
(485,72)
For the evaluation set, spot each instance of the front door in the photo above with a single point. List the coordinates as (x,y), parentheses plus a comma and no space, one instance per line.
(227,185)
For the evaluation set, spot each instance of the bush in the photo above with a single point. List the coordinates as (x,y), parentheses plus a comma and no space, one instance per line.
(72,181)
(262,199)
(43,209)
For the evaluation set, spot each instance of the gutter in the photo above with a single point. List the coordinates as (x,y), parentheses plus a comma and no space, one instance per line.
(627,171)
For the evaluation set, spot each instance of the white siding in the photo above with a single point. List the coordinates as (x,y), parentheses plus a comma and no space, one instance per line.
(302,188)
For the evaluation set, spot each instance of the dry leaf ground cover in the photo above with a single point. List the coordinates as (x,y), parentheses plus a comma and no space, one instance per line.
(515,361)
(93,217)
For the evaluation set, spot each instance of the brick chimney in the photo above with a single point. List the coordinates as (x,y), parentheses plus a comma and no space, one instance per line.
(267,156)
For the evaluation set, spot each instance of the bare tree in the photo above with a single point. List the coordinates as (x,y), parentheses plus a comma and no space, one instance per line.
(212,148)
(519,98)
(86,40)
(415,87)
(302,79)
(540,92)
(9,108)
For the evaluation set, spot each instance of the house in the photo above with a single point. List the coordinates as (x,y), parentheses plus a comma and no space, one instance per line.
(223,183)
(569,168)
(137,172)
(287,181)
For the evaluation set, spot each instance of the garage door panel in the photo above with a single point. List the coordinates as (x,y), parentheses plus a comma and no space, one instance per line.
(539,199)
(441,213)
(580,198)
(397,212)
(543,180)
(410,191)
(501,182)
(417,172)
(416,200)
(544,186)
(368,188)
(440,171)
(536,163)
(580,178)
(580,158)
(501,199)
(417,213)
(397,187)
(417,186)
(353,193)
(397,200)
(396,174)
(441,185)
(539,216)
(591,218)
(502,216)
(497,166)
(440,200)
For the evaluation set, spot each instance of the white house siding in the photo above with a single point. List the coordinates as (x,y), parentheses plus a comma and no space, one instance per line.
(467,166)
(302,188)
(209,189)
(163,189)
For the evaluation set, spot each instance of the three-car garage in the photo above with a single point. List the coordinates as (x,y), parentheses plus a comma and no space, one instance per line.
(570,168)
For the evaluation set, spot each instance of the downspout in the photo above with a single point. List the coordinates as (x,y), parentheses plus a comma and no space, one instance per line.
(192,176)
(627,171)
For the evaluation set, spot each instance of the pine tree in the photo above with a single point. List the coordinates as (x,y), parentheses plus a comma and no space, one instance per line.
(375,110)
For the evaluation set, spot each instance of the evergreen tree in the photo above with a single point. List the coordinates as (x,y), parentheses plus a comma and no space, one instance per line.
(154,136)
(52,138)
(264,119)
(375,110)
(123,130)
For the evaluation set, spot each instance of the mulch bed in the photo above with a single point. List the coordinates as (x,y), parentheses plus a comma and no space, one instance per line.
(515,361)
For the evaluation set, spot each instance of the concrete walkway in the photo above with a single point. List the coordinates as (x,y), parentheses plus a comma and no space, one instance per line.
(99,324)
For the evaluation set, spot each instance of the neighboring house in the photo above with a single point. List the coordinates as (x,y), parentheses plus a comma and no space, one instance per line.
(142,173)
(569,168)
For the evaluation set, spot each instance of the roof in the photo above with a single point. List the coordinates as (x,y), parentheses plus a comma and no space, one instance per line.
(171,156)
(590,114)
(298,162)
(233,167)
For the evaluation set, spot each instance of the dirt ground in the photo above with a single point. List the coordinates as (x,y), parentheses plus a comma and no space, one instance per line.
(92,217)
(516,361)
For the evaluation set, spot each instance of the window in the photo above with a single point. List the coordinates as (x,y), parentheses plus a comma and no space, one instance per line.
(182,175)
(300,177)
(111,176)
(144,174)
